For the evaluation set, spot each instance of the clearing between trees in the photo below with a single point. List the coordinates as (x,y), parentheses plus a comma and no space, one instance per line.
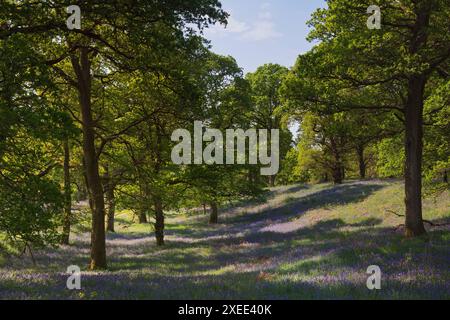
(301,242)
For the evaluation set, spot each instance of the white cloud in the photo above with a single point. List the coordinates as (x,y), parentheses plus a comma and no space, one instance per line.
(262,29)
(233,26)
(265,6)
(236,26)
(265,15)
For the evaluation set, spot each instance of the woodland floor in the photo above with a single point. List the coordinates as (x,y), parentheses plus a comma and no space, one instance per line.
(303,242)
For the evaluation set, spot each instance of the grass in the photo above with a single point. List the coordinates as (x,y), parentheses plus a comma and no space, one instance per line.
(303,242)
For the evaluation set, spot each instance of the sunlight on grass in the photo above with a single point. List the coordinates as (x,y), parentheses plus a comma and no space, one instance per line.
(320,242)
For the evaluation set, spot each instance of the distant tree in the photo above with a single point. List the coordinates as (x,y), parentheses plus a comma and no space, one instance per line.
(265,84)
(226,105)
(437,137)
(387,69)
(291,170)
(328,140)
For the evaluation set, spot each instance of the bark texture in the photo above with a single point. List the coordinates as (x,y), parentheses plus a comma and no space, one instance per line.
(214,216)
(67,195)
(82,68)
(159,222)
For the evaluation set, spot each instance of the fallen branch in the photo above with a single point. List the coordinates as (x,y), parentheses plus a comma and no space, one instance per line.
(395,213)
(424,221)
(436,224)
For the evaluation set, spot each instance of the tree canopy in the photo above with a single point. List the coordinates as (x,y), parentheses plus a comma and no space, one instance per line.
(87,114)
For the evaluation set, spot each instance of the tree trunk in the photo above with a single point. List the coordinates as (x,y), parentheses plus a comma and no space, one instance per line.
(362,162)
(253,175)
(111,210)
(445,177)
(337,168)
(272,180)
(337,174)
(159,224)
(82,192)
(250,176)
(143,217)
(67,194)
(413,168)
(82,70)
(111,201)
(414,127)
(144,208)
(144,205)
(214,217)
(88,190)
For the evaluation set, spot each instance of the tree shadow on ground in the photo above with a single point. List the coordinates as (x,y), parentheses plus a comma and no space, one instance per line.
(250,222)
(324,260)
(318,262)
(289,189)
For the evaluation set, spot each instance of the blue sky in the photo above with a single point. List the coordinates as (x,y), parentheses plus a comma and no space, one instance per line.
(264,31)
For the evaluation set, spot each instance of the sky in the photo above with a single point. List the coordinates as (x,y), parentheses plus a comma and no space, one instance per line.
(264,31)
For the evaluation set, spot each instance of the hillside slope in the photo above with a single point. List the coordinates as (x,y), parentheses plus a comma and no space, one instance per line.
(303,242)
